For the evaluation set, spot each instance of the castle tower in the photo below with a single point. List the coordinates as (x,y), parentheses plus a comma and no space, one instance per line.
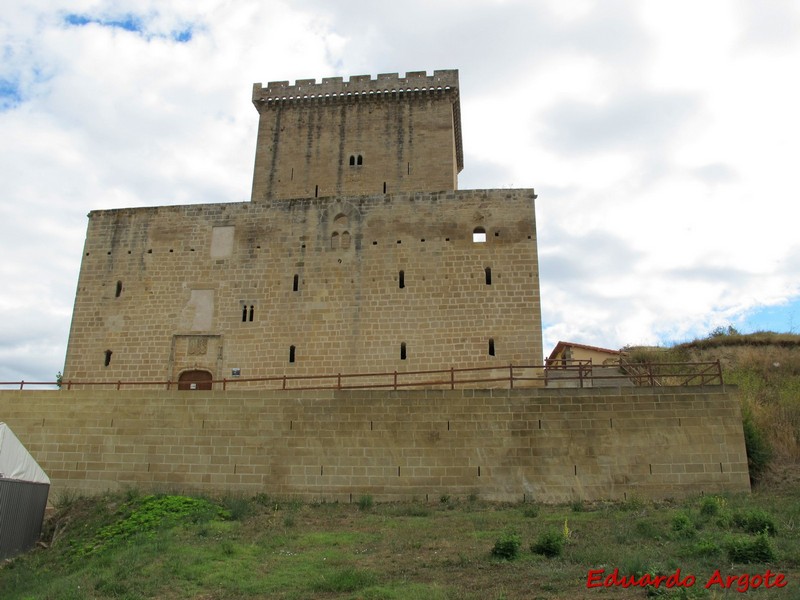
(361,137)
(357,254)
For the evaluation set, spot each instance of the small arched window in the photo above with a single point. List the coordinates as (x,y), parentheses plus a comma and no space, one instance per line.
(334,240)
(360,160)
(352,160)
(479,235)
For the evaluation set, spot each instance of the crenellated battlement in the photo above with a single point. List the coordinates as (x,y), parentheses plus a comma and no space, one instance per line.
(357,88)
(430,102)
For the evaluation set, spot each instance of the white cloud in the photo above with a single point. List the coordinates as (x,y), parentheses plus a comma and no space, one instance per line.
(661,138)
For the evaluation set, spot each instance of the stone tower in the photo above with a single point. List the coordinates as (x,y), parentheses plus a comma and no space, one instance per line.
(361,137)
(356,254)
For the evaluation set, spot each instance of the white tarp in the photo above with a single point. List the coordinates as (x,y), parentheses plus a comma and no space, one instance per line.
(15,461)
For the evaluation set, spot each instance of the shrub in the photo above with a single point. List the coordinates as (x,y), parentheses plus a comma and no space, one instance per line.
(755,521)
(239,508)
(647,529)
(507,546)
(550,544)
(712,505)
(577,506)
(530,511)
(742,549)
(632,503)
(724,520)
(759,452)
(682,525)
(706,548)
(365,502)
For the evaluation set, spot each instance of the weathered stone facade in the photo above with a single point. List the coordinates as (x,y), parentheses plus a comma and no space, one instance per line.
(301,282)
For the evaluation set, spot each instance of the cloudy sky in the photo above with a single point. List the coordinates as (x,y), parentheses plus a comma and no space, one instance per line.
(661,137)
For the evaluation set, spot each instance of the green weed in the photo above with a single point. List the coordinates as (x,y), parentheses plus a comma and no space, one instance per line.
(682,525)
(530,511)
(755,521)
(149,513)
(550,543)
(365,502)
(507,546)
(742,549)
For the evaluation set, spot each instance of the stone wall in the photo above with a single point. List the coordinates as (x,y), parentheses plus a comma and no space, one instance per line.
(308,287)
(535,444)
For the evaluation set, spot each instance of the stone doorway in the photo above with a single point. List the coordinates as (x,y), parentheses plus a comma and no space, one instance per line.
(195,380)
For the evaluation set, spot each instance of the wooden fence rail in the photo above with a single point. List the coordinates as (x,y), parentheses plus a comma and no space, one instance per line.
(572,373)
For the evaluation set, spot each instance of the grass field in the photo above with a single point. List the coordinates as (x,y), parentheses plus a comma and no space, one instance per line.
(131,546)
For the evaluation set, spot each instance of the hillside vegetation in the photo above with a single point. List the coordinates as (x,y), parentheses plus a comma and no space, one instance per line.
(136,547)
(766,368)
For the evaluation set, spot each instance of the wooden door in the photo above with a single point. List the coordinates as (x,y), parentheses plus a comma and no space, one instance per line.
(195,380)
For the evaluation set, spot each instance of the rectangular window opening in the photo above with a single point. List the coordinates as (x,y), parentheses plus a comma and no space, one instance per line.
(291,354)
(403,351)
(296,283)
(488,272)
(402,279)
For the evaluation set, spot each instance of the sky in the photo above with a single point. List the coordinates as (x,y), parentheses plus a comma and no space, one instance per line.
(660,137)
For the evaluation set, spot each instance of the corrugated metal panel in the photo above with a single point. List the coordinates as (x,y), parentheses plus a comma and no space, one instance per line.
(22,505)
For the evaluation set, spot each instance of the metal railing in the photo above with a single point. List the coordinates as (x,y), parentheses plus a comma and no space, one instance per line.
(564,373)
